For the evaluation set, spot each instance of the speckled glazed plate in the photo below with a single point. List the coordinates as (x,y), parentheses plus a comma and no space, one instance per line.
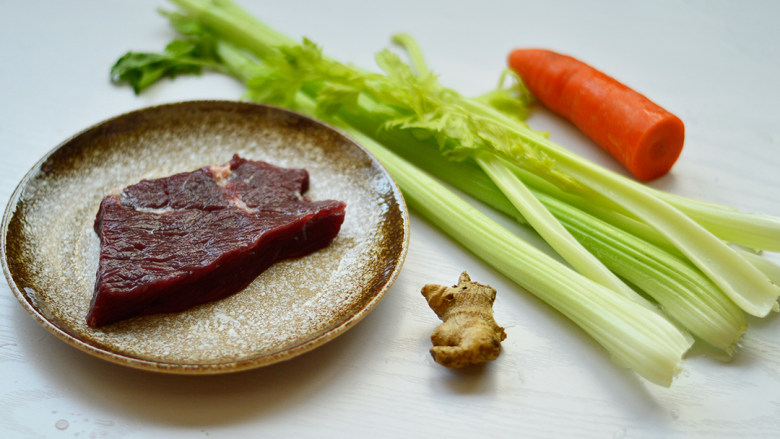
(50,251)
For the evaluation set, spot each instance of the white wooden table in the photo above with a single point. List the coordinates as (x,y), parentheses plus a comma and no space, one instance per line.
(715,64)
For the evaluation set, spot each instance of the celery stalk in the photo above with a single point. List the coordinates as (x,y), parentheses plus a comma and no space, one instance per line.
(553,232)
(750,230)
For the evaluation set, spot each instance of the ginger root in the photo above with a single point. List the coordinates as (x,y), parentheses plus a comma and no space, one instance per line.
(468,335)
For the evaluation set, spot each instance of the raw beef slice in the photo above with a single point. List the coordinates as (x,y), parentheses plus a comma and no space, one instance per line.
(169,244)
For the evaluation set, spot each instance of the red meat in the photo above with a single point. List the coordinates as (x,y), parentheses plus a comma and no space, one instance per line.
(169,244)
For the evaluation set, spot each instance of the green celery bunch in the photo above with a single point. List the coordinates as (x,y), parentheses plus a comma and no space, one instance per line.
(495,157)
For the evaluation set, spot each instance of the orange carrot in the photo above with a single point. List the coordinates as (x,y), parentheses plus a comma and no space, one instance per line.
(644,137)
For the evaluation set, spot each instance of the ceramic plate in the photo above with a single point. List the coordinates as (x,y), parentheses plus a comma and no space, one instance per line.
(50,251)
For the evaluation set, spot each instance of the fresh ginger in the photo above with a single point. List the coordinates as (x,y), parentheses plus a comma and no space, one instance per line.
(468,335)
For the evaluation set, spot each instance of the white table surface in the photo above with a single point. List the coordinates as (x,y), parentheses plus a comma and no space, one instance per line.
(715,64)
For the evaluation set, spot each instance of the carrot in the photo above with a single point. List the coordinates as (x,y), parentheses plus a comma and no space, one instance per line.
(641,135)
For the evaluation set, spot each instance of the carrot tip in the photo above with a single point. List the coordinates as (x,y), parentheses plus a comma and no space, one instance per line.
(657,150)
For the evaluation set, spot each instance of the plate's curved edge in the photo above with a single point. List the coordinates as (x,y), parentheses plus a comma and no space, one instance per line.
(198,368)
(8,213)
